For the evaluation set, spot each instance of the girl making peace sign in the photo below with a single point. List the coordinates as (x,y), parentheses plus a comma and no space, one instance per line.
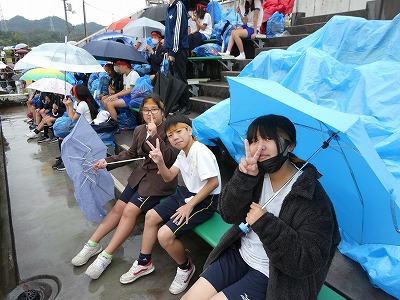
(288,252)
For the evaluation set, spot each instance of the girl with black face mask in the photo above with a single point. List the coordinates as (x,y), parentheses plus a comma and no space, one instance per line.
(288,251)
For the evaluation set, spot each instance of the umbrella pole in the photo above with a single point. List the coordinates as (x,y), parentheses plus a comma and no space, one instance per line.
(245,227)
(126,160)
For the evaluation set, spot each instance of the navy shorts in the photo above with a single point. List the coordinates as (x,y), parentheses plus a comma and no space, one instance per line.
(235,278)
(201,212)
(144,203)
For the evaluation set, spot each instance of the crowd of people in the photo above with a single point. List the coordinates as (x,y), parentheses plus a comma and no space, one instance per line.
(290,246)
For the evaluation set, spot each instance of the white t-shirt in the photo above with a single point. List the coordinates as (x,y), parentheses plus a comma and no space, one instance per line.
(82,109)
(250,15)
(197,167)
(208,22)
(251,249)
(130,79)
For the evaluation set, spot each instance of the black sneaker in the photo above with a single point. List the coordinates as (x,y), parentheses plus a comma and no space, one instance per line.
(61,167)
(58,162)
(185,110)
(43,139)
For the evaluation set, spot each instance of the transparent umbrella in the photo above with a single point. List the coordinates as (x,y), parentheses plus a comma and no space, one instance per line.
(60,56)
(143,27)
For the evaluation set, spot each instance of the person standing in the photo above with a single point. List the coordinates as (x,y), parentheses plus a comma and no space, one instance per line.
(176,45)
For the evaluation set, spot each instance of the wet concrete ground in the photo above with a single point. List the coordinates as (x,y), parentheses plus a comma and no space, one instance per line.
(49,227)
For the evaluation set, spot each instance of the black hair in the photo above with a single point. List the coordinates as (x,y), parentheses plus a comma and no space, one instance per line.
(175,119)
(200,12)
(83,94)
(156,98)
(249,5)
(275,127)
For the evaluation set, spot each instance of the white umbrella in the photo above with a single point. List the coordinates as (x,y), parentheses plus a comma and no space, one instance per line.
(20,46)
(51,85)
(143,27)
(60,56)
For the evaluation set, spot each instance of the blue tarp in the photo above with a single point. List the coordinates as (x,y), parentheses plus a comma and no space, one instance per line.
(349,65)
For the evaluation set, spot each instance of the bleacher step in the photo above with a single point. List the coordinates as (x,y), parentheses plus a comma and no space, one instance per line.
(224,74)
(325,18)
(258,50)
(305,28)
(216,89)
(200,104)
(283,40)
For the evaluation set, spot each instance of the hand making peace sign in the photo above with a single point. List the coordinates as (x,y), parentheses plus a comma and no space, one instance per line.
(155,153)
(248,164)
(151,126)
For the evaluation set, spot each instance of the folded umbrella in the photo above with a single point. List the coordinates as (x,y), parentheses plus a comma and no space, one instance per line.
(92,189)
(169,88)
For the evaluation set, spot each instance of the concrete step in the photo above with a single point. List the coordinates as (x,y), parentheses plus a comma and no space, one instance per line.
(217,89)
(283,40)
(270,48)
(325,18)
(224,74)
(200,104)
(304,29)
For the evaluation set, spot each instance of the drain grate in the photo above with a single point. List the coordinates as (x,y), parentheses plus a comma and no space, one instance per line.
(30,295)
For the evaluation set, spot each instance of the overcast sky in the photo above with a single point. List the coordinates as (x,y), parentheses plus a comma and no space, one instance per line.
(103,12)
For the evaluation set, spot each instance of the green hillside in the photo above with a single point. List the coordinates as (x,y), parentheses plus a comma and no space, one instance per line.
(36,32)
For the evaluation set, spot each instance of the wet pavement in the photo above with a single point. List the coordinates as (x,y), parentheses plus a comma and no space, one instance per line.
(49,227)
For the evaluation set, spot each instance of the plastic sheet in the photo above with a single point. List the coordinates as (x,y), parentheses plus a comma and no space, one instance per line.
(350,65)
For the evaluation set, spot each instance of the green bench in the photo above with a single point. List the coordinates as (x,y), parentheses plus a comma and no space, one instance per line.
(198,61)
(212,230)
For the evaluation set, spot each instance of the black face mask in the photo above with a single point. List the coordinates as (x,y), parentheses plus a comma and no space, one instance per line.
(274,163)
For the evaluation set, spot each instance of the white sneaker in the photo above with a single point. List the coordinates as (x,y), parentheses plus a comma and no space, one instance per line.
(98,266)
(136,271)
(32,135)
(181,280)
(241,56)
(85,254)
(223,54)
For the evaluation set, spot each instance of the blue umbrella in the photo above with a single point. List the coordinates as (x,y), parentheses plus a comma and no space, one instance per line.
(92,189)
(112,36)
(361,188)
(111,51)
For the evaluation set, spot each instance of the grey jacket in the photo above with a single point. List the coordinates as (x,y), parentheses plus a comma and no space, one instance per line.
(300,243)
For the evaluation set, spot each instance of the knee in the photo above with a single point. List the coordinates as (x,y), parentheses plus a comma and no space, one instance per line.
(130,212)
(152,217)
(119,207)
(165,236)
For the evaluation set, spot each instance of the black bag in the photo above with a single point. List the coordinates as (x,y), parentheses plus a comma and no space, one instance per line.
(107,126)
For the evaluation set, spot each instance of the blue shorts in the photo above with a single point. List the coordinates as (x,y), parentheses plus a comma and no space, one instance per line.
(231,275)
(201,212)
(144,203)
(250,30)
(127,99)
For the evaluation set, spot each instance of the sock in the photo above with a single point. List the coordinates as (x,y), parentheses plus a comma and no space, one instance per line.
(59,144)
(144,259)
(106,255)
(91,243)
(228,52)
(186,265)
(46,131)
(36,131)
(51,130)
(242,53)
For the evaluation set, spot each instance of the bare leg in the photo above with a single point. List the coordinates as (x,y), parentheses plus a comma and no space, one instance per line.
(149,237)
(111,107)
(110,221)
(172,245)
(231,41)
(202,290)
(125,227)
(238,36)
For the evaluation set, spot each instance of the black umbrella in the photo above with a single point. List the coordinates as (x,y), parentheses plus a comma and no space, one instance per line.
(111,51)
(156,13)
(169,88)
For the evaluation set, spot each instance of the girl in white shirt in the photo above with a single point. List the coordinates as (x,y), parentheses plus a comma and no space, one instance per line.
(203,22)
(251,15)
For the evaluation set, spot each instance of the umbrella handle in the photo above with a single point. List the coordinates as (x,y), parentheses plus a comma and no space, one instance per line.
(245,227)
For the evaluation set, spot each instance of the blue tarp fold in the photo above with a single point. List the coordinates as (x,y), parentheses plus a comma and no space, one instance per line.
(350,65)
